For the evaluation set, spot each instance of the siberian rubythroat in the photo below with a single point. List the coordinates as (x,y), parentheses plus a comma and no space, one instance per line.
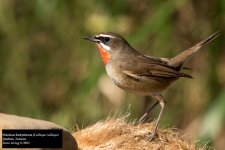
(139,73)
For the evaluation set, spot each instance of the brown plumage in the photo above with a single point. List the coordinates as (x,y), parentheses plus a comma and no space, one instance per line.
(142,74)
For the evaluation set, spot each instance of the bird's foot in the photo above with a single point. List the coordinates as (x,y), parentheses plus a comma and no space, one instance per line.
(152,136)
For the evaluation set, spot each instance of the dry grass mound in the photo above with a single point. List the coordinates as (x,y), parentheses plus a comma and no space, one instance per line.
(118,134)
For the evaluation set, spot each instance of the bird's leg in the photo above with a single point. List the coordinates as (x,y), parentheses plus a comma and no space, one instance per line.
(149,109)
(162,103)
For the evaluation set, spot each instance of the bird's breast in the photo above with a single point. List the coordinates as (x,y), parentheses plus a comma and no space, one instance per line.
(114,74)
(123,81)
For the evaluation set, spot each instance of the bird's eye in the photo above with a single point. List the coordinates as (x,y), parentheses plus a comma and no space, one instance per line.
(106,39)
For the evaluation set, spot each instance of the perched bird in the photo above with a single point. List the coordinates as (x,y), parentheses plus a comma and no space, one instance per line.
(142,74)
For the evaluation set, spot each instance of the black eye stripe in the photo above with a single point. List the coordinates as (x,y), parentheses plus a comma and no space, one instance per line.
(98,37)
(103,39)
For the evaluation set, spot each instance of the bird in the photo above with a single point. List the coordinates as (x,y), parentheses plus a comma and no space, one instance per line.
(143,74)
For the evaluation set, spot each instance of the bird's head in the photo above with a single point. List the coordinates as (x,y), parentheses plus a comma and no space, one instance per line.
(108,44)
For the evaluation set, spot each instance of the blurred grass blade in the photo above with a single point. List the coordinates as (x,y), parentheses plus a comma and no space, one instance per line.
(214,119)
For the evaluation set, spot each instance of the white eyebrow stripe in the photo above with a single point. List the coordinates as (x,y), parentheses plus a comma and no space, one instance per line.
(106,35)
(106,47)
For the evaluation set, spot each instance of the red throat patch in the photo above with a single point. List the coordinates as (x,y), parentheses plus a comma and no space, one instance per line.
(105,55)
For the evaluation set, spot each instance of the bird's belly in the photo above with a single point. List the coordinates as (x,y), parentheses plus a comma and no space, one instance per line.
(142,85)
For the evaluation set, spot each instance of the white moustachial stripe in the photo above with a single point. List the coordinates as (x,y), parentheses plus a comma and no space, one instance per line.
(106,47)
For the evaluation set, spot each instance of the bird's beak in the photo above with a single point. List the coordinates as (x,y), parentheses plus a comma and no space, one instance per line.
(92,38)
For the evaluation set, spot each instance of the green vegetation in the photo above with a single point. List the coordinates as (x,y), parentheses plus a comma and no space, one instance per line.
(48,71)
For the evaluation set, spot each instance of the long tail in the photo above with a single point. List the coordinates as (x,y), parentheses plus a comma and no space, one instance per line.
(179,60)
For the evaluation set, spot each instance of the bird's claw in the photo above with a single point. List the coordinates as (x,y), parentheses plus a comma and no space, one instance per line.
(152,136)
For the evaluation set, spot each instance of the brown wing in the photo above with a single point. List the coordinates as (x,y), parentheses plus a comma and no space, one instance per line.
(150,67)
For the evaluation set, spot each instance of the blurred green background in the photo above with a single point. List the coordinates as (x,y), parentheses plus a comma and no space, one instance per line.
(48,71)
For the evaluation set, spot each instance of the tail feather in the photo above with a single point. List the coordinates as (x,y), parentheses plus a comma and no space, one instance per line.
(179,60)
